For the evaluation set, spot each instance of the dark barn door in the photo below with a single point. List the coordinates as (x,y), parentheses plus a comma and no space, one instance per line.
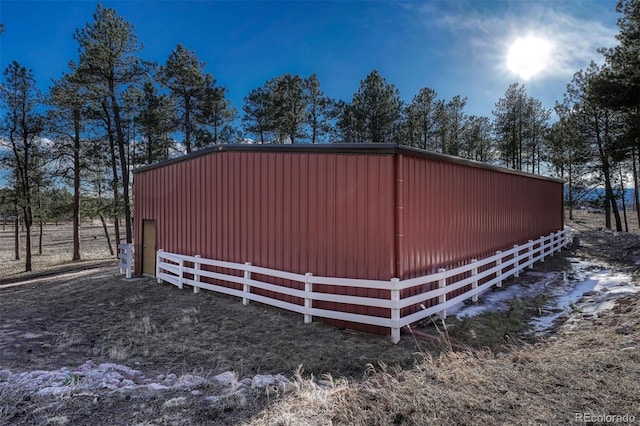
(149,247)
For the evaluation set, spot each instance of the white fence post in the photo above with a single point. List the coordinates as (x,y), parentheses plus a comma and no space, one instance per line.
(120,264)
(517,263)
(158,257)
(395,310)
(499,273)
(130,260)
(552,241)
(196,277)
(442,299)
(542,252)
(125,258)
(474,284)
(531,254)
(308,301)
(180,274)
(246,287)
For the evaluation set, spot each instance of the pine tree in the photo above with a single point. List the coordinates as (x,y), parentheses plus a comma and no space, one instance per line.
(155,120)
(509,125)
(455,120)
(108,62)
(184,76)
(22,126)
(66,118)
(376,109)
(600,127)
(477,141)
(420,119)
(618,84)
(257,119)
(214,113)
(320,110)
(290,107)
(568,155)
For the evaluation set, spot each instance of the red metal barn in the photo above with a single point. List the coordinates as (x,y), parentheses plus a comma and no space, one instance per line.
(373,211)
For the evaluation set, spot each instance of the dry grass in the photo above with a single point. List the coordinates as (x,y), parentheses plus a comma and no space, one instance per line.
(584,220)
(57,247)
(593,369)
(589,369)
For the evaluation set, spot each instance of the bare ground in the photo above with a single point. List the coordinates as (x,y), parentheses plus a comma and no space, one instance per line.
(87,312)
(68,314)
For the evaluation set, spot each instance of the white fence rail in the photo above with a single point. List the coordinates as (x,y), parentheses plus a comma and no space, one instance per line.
(125,258)
(481,275)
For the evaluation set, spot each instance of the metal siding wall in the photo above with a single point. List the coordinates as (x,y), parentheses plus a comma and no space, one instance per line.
(333,214)
(454,213)
(325,213)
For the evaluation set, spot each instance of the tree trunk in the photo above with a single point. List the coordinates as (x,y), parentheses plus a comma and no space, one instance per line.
(106,233)
(149,148)
(123,165)
(570,192)
(76,189)
(624,202)
(40,237)
(610,199)
(16,235)
(114,170)
(28,221)
(116,230)
(187,124)
(636,195)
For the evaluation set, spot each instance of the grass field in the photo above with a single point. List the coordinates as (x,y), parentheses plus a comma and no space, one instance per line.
(56,247)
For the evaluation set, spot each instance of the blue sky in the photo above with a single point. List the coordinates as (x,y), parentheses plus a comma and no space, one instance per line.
(454,47)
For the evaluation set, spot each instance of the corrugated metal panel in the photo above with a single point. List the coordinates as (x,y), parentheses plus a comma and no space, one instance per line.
(453,213)
(330,214)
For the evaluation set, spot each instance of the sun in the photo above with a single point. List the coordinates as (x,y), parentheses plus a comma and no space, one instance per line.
(529,56)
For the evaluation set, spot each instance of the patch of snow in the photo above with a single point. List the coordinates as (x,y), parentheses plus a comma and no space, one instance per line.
(227,378)
(497,299)
(90,379)
(157,387)
(263,380)
(596,293)
(590,292)
(189,381)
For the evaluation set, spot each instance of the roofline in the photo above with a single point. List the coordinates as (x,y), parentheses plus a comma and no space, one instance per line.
(331,148)
(417,152)
(344,148)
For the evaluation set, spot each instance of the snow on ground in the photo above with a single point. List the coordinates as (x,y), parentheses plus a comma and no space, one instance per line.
(109,377)
(581,289)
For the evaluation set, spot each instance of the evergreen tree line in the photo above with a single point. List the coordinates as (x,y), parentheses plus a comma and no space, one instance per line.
(112,111)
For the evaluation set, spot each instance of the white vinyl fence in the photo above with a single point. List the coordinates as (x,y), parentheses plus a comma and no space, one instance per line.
(125,258)
(181,270)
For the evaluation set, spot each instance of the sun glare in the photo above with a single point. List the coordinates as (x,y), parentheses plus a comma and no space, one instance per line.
(528,56)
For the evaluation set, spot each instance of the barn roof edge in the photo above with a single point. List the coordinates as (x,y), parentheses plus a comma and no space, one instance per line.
(344,148)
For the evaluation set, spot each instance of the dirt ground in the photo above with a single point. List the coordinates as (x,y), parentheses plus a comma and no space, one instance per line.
(68,314)
(72,313)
